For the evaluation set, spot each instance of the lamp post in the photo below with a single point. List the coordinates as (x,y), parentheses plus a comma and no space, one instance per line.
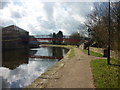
(89,30)
(108,55)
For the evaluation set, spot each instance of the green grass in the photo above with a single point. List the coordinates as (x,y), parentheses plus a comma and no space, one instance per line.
(105,76)
(92,53)
(71,54)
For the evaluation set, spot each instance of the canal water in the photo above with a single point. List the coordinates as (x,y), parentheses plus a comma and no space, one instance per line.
(21,67)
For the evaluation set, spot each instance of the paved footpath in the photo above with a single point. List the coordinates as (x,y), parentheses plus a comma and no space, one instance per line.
(76,73)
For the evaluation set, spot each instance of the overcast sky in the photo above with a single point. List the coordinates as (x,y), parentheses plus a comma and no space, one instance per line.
(45,17)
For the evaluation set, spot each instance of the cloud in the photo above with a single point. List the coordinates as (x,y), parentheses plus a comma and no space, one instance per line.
(47,24)
(6,21)
(3,4)
(16,14)
(49,9)
(46,17)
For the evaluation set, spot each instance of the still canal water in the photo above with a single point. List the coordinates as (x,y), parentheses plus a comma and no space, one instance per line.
(21,67)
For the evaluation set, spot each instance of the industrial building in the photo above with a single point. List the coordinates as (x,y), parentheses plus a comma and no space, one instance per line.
(14,37)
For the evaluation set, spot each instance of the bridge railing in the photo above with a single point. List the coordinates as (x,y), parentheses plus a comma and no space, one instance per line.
(42,38)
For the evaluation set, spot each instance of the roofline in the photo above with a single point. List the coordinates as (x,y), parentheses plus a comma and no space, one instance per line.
(14,27)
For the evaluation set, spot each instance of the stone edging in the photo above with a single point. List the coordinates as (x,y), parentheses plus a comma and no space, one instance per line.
(42,81)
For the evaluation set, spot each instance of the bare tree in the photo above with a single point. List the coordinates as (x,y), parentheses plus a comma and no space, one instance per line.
(98,21)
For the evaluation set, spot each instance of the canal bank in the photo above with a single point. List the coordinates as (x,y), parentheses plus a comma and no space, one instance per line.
(74,72)
(43,80)
(21,67)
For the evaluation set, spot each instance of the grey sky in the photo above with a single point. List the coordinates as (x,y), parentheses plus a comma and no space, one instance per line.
(45,17)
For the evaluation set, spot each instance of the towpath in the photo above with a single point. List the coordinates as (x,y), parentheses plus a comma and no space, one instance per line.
(76,73)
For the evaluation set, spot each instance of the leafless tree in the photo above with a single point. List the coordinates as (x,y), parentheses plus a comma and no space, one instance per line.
(98,21)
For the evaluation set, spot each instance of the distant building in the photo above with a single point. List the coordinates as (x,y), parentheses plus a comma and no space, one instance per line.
(14,37)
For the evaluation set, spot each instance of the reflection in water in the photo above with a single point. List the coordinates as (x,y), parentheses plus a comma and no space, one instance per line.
(12,59)
(57,52)
(25,73)
(32,52)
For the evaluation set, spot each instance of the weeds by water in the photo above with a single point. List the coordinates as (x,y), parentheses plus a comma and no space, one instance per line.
(71,54)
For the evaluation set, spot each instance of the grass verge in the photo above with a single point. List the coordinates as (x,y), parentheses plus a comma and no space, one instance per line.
(105,76)
(92,53)
(71,54)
